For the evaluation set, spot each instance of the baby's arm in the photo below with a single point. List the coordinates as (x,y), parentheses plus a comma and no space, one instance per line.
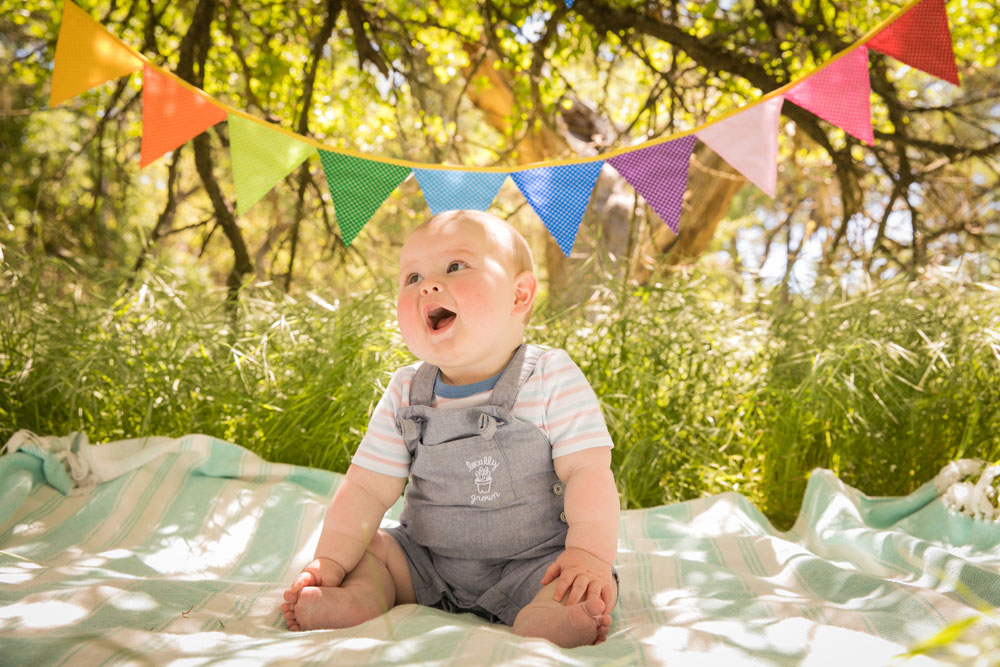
(584,568)
(351,520)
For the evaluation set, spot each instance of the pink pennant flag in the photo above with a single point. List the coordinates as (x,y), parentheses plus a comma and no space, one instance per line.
(748,141)
(840,93)
(172,114)
(921,38)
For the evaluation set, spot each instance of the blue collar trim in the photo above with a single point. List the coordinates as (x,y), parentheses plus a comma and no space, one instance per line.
(464,390)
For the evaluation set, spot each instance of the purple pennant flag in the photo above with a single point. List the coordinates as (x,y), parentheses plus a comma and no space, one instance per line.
(659,173)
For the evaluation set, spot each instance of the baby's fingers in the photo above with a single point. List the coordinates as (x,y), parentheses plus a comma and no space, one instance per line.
(607,592)
(304,579)
(551,573)
(579,591)
(563,586)
(595,591)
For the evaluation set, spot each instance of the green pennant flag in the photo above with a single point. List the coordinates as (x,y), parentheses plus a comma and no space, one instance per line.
(261,157)
(358,188)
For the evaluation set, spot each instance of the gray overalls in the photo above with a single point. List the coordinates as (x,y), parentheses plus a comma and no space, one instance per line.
(483,511)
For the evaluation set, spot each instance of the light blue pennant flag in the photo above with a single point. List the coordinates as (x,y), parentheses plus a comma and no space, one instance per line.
(559,196)
(450,190)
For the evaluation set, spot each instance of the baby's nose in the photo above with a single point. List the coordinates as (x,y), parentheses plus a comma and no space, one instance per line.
(430,286)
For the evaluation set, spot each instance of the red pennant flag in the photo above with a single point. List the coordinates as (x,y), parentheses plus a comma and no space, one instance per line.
(840,93)
(172,114)
(921,38)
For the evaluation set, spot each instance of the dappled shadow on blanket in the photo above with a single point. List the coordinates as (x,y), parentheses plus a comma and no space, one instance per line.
(186,555)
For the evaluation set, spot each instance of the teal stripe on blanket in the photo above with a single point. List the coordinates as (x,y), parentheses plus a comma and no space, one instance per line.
(183,557)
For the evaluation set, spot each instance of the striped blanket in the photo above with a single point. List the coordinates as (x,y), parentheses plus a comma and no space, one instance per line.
(162,550)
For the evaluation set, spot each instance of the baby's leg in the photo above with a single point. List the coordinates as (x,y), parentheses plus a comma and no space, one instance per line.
(380,581)
(569,626)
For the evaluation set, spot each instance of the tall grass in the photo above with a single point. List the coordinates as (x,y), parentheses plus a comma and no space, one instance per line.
(294,380)
(702,393)
(883,388)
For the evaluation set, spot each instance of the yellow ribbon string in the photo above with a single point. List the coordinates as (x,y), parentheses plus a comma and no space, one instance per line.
(534,165)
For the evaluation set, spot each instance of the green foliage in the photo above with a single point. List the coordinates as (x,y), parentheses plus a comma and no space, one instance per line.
(678,373)
(701,394)
(883,388)
(294,381)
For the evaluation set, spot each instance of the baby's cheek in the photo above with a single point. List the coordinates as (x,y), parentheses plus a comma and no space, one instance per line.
(405,318)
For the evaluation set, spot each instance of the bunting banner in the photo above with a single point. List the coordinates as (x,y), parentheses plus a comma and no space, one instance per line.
(921,39)
(659,173)
(559,191)
(840,93)
(87,55)
(358,187)
(450,190)
(748,142)
(172,114)
(559,196)
(261,157)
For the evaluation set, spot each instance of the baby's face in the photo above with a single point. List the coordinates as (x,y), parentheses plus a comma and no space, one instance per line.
(456,305)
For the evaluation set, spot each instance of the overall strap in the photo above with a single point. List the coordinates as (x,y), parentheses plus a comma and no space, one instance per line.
(509,385)
(422,387)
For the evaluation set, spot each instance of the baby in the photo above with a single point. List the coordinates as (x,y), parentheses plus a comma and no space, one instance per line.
(511,510)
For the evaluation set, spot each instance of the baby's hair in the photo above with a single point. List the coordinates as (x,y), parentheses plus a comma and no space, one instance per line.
(509,242)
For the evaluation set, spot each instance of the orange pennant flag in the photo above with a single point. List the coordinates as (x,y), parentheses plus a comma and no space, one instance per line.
(921,39)
(87,55)
(172,114)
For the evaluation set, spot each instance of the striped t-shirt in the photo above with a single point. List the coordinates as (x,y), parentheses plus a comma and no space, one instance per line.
(555,397)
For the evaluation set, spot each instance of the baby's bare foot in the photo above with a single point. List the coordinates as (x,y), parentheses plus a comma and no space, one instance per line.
(575,625)
(326,608)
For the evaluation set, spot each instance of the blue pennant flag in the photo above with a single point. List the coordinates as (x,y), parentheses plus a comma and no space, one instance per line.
(559,196)
(449,190)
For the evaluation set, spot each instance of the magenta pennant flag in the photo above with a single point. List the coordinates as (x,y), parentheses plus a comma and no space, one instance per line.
(921,38)
(659,173)
(840,93)
(748,141)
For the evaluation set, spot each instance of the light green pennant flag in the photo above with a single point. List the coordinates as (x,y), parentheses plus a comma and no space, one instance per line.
(261,157)
(358,188)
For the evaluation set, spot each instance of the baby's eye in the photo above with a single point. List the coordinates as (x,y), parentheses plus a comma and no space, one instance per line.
(412,278)
(457,266)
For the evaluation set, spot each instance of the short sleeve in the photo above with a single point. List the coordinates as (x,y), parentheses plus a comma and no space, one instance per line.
(573,419)
(382,449)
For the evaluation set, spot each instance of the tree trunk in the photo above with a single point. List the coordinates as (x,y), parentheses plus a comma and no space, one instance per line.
(606,234)
(712,184)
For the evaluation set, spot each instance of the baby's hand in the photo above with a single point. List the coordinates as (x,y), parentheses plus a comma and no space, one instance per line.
(583,575)
(320,572)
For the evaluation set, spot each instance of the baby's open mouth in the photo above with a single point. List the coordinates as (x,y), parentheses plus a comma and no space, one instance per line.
(440,318)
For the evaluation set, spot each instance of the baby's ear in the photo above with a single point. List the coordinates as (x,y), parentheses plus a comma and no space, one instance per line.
(525,285)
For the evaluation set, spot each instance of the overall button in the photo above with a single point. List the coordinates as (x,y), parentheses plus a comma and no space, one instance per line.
(557,488)
(562,517)
(487,426)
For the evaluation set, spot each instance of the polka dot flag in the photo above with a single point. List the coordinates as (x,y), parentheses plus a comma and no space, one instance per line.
(659,173)
(172,114)
(358,187)
(559,196)
(840,93)
(261,156)
(921,38)
(450,190)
